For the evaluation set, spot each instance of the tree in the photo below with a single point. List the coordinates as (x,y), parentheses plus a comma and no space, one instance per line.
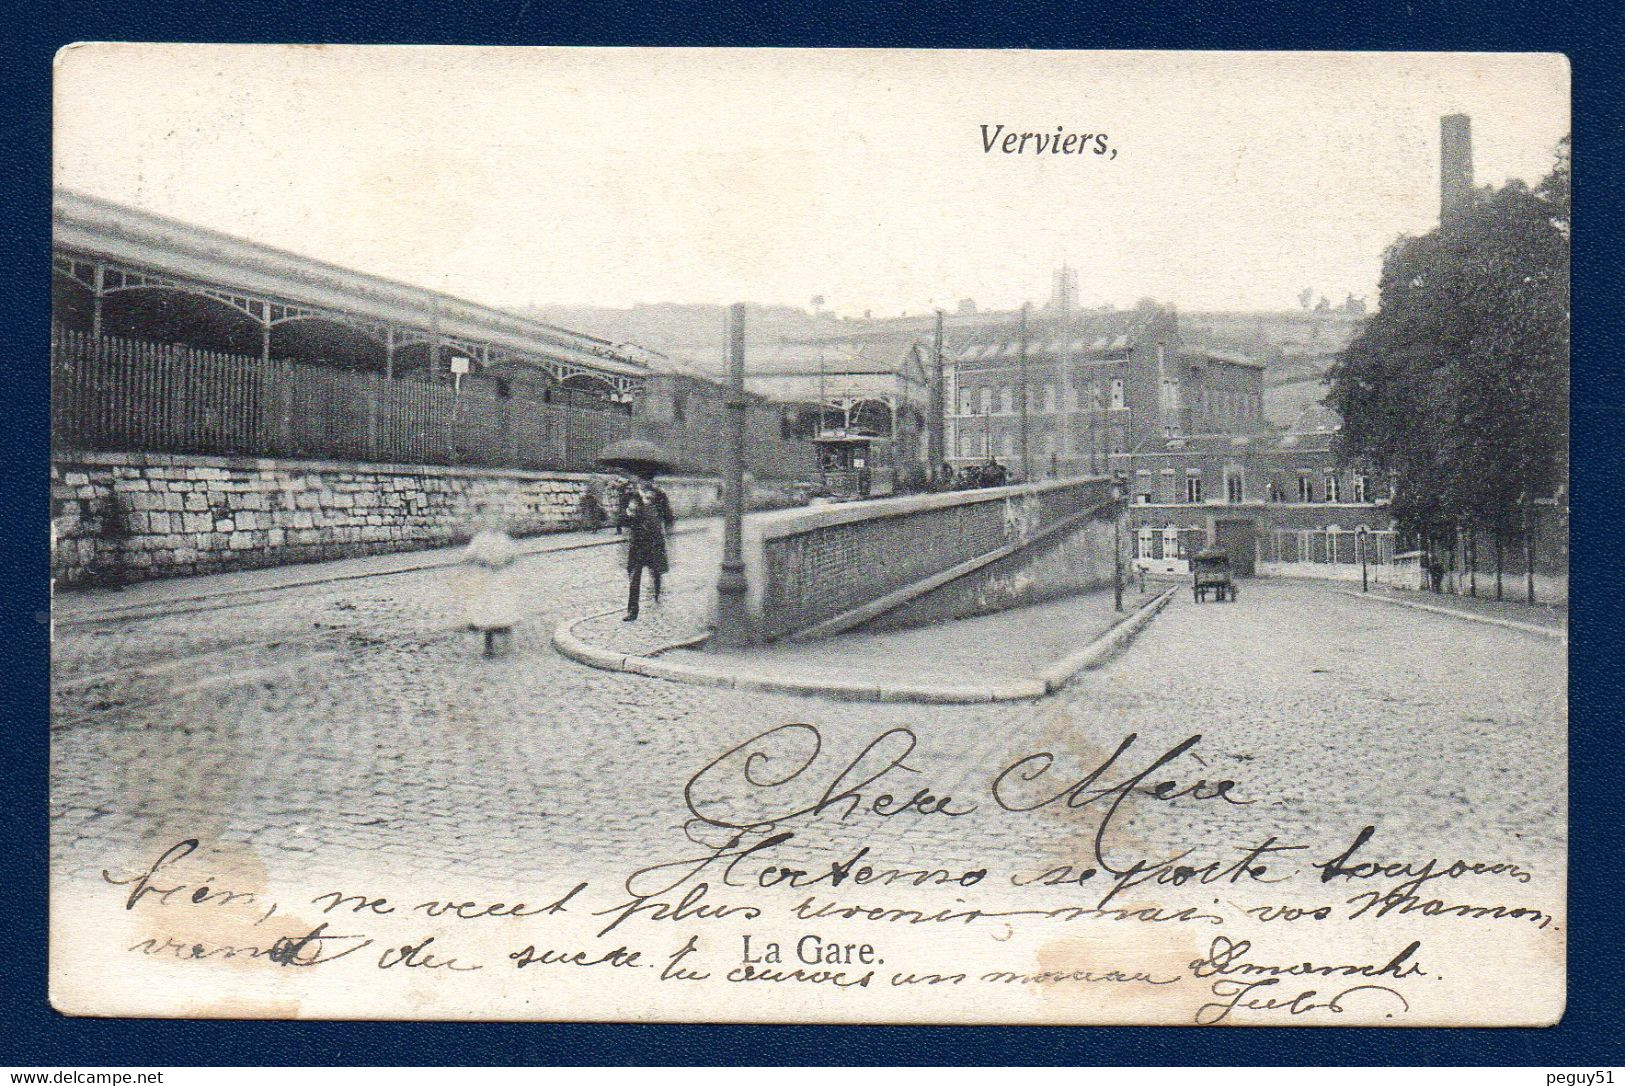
(1459,382)
(1555,188)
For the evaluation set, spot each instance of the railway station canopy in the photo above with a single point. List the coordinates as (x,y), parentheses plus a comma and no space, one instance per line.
(122,271)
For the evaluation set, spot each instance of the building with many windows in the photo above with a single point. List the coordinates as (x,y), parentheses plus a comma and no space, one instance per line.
(1280,503)
(1056,395)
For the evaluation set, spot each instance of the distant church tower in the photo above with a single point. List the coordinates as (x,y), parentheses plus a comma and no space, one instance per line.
(1455,167)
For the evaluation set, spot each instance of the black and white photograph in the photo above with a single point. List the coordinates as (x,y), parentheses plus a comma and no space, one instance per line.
(809,536)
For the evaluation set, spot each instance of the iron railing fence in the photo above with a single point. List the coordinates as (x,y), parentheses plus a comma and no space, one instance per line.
(132,395)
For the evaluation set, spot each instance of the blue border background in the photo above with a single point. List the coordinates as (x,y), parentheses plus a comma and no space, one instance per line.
(1589,1035)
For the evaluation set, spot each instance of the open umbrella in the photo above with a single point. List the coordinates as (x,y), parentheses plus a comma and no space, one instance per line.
(638,456)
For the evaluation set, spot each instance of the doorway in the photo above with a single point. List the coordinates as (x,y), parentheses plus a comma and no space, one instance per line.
(1239,539)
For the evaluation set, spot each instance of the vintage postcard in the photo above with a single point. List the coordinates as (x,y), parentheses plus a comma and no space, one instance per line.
(851,536)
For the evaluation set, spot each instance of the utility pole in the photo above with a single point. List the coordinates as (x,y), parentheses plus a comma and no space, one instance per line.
(434,337)
(1119,491)
(733,617)
(1066,364)
(1529,524)
(939,405)
(823,475)
(1026,454)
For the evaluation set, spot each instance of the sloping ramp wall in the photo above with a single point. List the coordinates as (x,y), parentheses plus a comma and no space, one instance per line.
(821,570)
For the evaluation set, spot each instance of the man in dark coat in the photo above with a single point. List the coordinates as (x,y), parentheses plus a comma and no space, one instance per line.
(648,516)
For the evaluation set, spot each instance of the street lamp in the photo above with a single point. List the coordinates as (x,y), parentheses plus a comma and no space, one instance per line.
(733,618)
(1118,489)
(1363,540)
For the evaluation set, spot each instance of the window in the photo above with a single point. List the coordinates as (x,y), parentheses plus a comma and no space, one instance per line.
(1306,489)
(987,401)
(1193,489)
(1235,486)
(1167,488)
(968,445)
(1170,394)
(1333,488)
(1069,397)
(1007,445)
(967,402)
(1007,401)
(1362,489)
(1049,399)
(1095,396)
(1117,394)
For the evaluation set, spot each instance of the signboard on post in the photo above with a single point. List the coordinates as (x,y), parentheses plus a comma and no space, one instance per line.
(459,366)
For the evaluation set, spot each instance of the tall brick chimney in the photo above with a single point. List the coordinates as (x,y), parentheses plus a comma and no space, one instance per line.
(1455,166)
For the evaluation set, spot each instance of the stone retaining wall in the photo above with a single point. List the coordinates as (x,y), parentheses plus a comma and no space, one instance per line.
(808,568)
(119,517)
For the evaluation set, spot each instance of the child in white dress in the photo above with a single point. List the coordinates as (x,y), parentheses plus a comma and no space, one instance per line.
(486,586)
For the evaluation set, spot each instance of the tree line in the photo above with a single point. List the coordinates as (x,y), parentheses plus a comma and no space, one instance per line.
(1459,384)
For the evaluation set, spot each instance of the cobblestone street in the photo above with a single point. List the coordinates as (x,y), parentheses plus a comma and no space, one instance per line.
(324,722)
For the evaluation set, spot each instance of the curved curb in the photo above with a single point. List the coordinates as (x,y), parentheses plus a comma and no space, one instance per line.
(1053,678)
(1466,616)
(584,652)
(1098,651)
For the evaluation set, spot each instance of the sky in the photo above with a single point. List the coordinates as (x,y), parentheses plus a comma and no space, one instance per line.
(612,177)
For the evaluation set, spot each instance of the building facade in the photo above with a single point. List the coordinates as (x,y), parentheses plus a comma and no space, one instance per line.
(864,393)
(1279,503)
(1060,396)
(689,417)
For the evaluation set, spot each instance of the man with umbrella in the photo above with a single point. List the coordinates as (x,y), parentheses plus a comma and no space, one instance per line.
(647,515)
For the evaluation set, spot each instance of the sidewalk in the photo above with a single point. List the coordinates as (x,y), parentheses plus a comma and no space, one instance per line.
(93,604)
(1021,653)
(1548,618)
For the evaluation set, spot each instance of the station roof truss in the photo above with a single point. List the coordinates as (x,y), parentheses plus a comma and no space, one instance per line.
(109,248)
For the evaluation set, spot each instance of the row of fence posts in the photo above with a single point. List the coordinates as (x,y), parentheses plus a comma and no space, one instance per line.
(111,393)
